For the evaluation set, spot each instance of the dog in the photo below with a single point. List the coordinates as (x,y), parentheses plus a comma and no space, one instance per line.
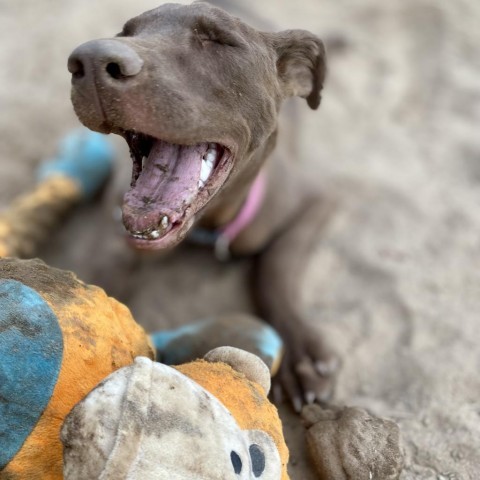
(196,93)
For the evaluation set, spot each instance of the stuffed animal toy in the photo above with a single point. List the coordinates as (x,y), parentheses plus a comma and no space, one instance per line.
(205,420)
(76,174)
(59,338)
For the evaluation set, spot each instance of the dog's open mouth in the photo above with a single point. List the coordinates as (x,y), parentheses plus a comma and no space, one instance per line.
(170,184)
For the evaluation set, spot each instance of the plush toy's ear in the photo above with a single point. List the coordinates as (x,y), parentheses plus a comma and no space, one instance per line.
(244,362)
(301,64)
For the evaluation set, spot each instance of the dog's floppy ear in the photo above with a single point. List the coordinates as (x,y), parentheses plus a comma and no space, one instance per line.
(301,64)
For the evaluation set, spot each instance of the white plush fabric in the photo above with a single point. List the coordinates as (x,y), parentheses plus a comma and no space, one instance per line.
(148,421)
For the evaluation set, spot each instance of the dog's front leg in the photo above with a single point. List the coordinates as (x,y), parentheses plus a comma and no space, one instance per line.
(308,368)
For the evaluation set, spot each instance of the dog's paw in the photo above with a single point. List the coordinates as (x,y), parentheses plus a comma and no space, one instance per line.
(307,374)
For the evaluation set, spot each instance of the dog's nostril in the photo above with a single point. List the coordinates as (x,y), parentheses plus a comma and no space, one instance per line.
(75,67)
(123,62)
(114,70)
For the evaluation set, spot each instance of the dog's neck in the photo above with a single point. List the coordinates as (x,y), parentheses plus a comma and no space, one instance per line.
(222,238)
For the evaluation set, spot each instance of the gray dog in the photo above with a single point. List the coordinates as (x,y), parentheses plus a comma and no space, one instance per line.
(196,93)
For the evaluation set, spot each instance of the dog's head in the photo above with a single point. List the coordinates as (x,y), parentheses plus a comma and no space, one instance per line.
(196,93)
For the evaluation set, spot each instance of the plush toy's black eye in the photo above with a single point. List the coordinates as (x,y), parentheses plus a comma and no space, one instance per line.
(258,460)
(236,462)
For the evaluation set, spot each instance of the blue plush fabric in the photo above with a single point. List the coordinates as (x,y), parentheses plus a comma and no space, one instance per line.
(85,157)
(174,347)
(31,350)
(186,343)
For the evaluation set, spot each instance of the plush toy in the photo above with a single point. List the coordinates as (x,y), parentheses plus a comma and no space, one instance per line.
(60,338)
(205,420)
(79,170)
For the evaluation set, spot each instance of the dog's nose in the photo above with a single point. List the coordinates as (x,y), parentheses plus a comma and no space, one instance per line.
(102,60)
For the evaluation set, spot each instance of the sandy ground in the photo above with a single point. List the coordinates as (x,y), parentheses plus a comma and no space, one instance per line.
(395,283)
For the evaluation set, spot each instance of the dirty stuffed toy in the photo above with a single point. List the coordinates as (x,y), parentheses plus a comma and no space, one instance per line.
(60,341)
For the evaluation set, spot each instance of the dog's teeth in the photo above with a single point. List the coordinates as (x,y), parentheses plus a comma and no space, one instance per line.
(153,235)
(210,156)
(209,161)
(164,223)
(206,170)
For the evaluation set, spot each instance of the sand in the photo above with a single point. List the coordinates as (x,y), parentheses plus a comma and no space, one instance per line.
(395,283)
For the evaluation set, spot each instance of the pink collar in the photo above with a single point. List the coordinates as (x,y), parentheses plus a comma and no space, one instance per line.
(248,211)
(226,235)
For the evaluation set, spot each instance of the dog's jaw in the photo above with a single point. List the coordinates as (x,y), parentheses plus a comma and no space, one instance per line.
(170,185)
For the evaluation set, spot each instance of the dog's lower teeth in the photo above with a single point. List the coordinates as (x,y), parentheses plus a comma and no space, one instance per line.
(153,235)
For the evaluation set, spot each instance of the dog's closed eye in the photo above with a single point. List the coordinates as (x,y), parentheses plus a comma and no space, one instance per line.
(208,33)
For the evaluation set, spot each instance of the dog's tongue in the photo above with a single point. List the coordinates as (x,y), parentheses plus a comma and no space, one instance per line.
(166,186)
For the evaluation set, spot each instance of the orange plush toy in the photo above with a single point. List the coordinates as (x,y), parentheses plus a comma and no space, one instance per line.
(61,339)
